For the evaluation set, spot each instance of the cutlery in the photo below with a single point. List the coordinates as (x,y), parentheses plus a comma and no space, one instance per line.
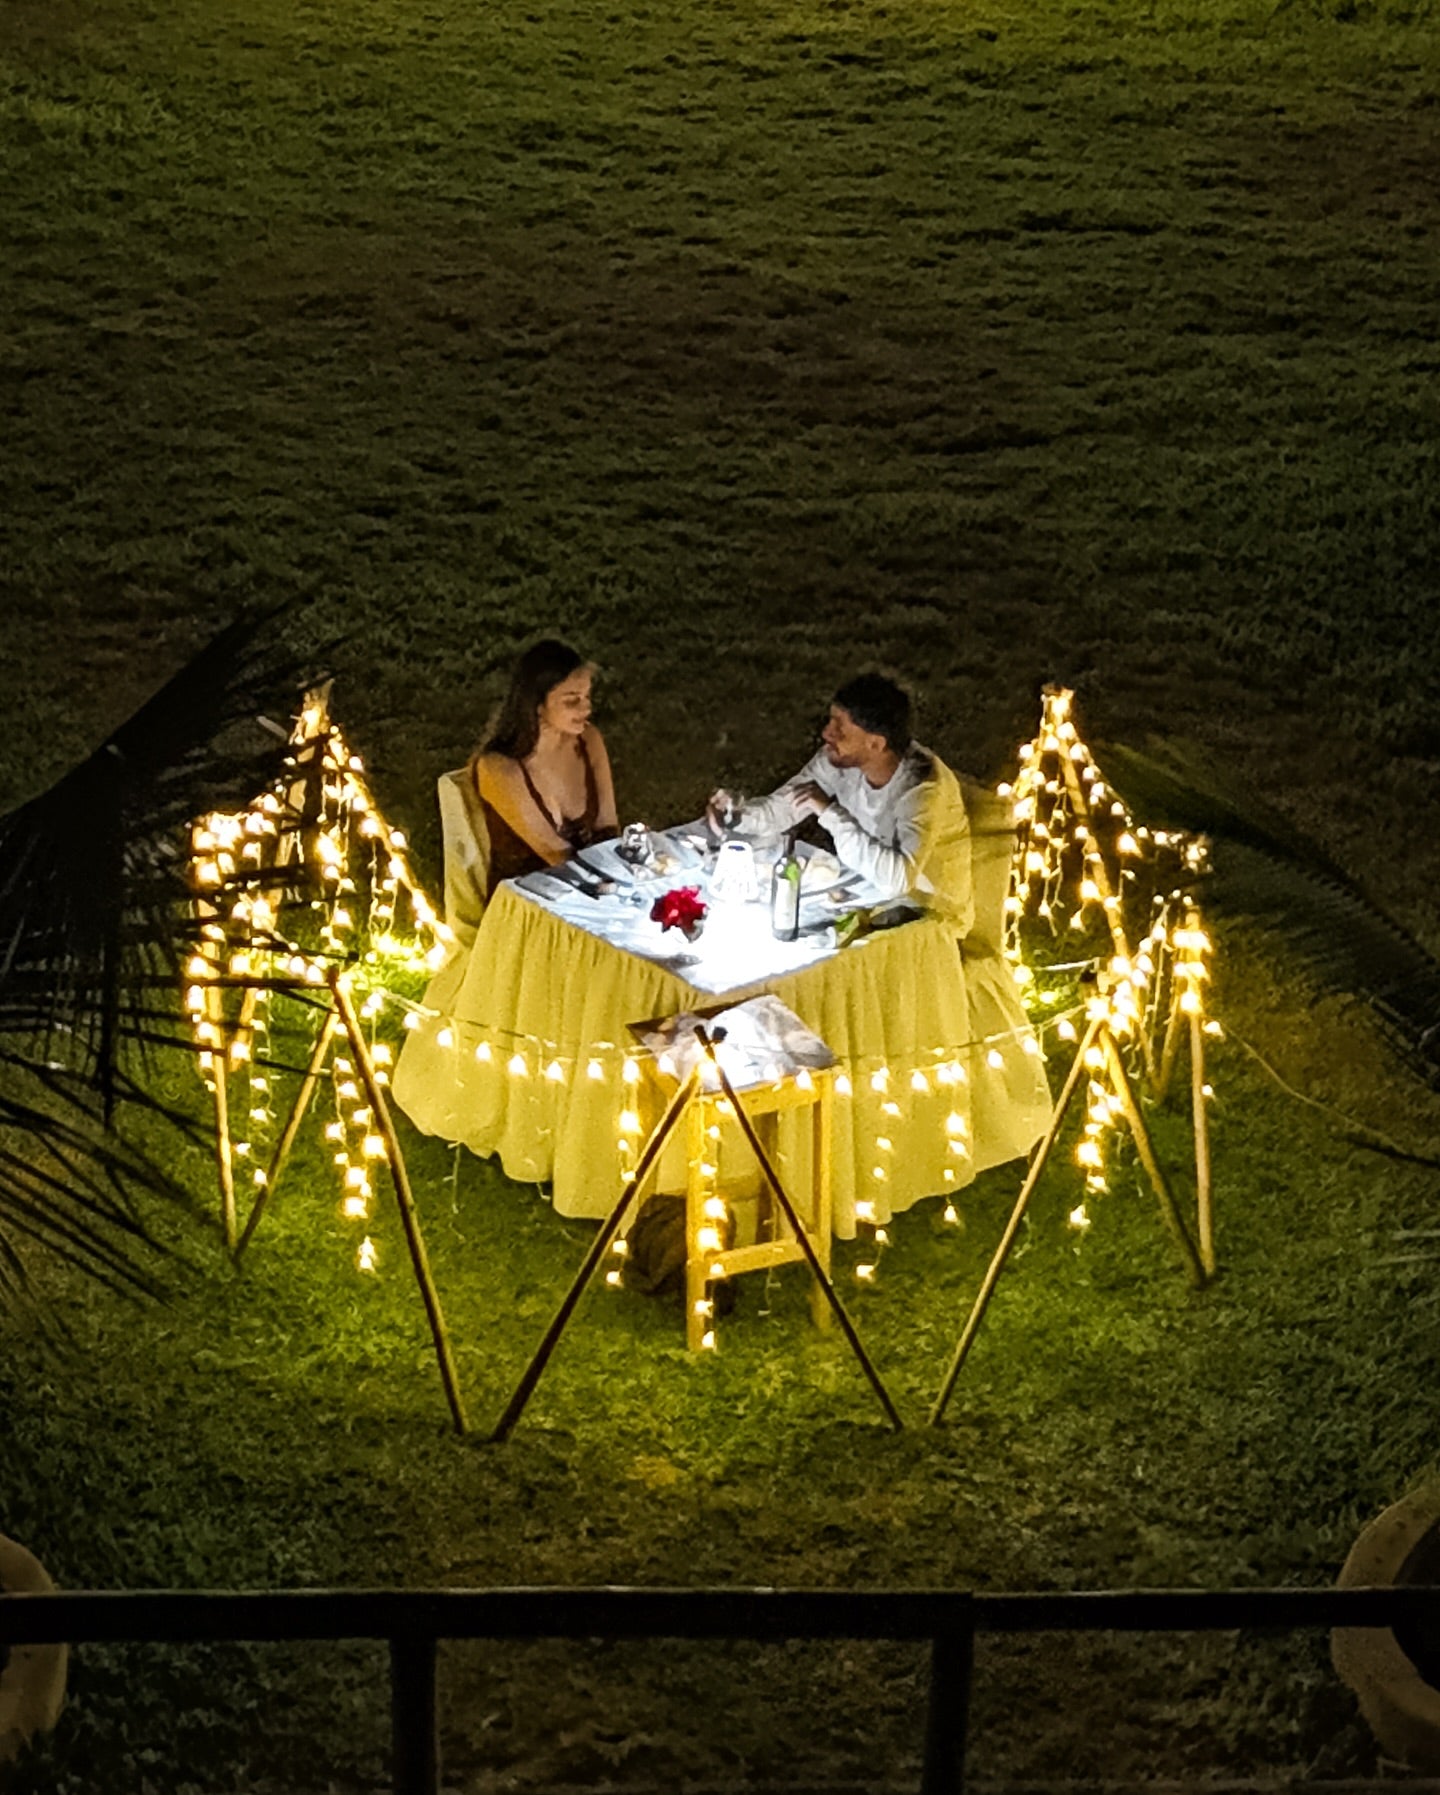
(605,881)
(570,875)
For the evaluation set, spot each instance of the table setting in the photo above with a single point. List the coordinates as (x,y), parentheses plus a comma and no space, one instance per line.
(522,1048)
(702,906)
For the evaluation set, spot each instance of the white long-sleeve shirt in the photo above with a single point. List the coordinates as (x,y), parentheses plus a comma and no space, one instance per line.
(908,838)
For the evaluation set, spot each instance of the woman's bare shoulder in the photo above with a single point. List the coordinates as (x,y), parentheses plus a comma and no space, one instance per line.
(495,772)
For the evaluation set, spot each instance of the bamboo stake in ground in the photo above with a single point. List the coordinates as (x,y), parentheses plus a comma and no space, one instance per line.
(400,1178)
(822,1148)
(1204,1213)
(1109,901)
(292,1126)
(224,1158)
(708,1041)
(1143,1147)
(1081,805)
(533,1372)
(1175,1031)
(220,1085)
(1171,1050)
(1012,1227)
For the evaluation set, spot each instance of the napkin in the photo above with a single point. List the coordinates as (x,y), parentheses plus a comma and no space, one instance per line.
(764,1042)
(547,886)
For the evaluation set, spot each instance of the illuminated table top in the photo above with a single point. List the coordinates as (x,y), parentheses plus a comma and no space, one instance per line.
(737,947)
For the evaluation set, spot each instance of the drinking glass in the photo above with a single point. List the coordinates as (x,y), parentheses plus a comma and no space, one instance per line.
(635,846)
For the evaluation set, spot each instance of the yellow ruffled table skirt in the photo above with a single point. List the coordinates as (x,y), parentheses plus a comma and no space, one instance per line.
(524,1053)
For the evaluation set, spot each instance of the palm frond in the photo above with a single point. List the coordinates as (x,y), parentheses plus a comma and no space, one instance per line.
(91,870)
(1176,785)
(1267,869)
(93,918)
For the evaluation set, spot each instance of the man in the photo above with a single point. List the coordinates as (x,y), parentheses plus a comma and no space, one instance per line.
(893,809)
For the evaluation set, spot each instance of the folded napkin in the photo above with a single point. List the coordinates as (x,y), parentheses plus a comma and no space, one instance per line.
(551,889)
(764,1042)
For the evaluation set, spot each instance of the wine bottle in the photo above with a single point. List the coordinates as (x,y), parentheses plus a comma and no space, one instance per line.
(785,893)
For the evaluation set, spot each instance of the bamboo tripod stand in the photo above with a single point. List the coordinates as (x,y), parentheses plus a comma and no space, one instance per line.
(1098,1048)
(339,1018)
(709,1040)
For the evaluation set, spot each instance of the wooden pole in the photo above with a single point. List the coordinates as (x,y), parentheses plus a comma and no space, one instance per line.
(1171,1050)
(1204,1211)
(697,1273)
(1151,1164)
(400,1178)
(1012,1227)
(224,1153)
(1114,919)
(287,984)
(533,1372)
(245,1020)
(292,1127)
(821,1150)
(707,1041)
(1081,803)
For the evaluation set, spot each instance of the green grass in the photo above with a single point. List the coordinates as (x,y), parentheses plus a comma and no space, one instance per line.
(285,1426)
(748,346)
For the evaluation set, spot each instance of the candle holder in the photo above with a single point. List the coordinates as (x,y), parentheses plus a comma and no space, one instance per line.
(733,879)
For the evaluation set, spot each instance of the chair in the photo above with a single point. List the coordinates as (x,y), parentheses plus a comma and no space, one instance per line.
(992,843)
(1010,1105)
(466,840)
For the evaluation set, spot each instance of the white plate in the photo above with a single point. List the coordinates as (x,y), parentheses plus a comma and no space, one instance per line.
(819,873)
(674,847)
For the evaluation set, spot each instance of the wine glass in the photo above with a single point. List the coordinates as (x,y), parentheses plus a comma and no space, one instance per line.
(635,847)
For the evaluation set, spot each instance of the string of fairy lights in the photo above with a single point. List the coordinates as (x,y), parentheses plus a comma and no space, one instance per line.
(308,876)
(311,875)
(1071,830)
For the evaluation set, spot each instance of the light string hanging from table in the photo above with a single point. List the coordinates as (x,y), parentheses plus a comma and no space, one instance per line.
(297,849)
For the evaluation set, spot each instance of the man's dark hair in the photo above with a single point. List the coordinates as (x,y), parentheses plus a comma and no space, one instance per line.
(879,706)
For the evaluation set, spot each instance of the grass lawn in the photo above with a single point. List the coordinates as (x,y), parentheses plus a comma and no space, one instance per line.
(747,346)
(286,1426)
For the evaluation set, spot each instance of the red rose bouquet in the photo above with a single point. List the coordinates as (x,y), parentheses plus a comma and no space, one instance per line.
(680,909)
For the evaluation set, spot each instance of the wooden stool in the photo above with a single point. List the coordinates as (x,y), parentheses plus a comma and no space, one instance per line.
(707,1258)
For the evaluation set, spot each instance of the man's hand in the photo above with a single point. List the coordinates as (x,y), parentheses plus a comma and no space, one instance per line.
(724,810)
(811,799)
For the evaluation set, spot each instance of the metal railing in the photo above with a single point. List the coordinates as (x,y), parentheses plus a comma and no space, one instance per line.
(413,1622)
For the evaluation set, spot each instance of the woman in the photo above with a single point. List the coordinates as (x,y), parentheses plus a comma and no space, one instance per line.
(543,775)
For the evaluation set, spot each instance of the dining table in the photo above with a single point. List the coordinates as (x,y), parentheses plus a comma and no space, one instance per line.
(524,1048)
